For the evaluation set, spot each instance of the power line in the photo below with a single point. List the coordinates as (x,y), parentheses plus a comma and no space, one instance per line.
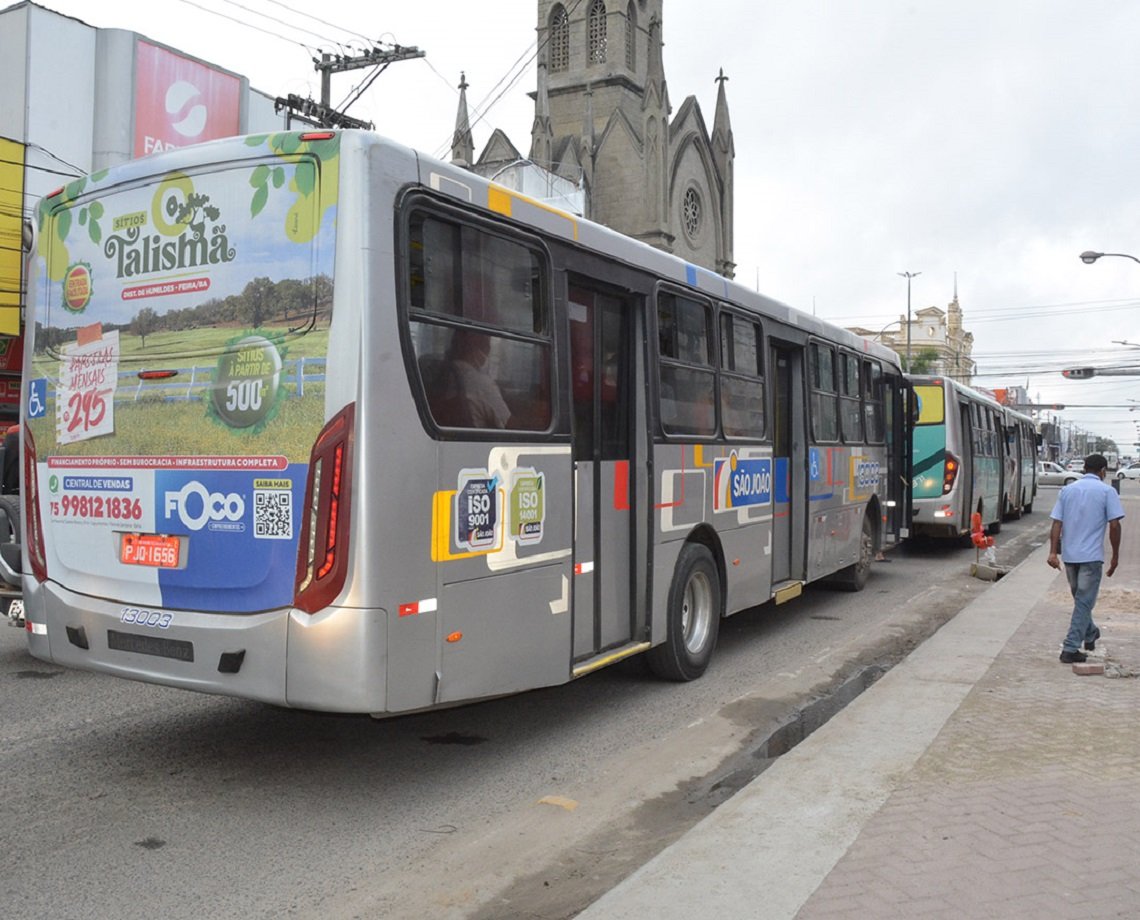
(280,22)
(483,108)
(318,19)
(248,25)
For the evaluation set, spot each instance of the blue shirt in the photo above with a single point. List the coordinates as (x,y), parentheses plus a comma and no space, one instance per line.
(1084,509)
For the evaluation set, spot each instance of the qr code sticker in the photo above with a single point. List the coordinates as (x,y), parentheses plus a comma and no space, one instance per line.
(273,514)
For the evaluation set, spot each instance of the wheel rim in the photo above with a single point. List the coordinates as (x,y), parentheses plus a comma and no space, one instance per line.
(696,611)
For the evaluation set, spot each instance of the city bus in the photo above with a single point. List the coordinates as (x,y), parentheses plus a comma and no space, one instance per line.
(1019,475)
(957,458)
(316,420)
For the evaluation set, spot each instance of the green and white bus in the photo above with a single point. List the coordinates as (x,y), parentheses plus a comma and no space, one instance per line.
(957,457)
(313,419)
(1020,470)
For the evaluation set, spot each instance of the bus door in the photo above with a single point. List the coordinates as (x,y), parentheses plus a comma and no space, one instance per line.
(601,369)
(789,459)
(899,398)
(968,471)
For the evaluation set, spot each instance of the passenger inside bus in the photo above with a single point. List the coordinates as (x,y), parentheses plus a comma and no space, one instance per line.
(478,391)
(464,394)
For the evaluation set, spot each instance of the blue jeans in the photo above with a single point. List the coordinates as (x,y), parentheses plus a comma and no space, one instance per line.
(1084,582)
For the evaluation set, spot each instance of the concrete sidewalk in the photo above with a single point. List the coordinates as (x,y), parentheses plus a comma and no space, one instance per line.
(980,778)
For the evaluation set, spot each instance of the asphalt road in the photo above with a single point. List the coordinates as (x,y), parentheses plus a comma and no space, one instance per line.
(128,800)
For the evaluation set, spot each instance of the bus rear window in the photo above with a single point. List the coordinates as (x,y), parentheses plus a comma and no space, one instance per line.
(931,405)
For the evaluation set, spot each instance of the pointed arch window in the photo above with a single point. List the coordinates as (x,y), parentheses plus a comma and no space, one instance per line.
(596,32)
(559,39)
(631,37)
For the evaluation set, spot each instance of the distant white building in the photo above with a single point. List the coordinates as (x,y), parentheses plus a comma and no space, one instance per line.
(937,330)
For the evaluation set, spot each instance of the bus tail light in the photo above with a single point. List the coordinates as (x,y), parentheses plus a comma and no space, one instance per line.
(322,555)
(35,535)
(950,473)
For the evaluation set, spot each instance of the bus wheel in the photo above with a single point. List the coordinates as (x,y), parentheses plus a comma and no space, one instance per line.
(692,619)
(9,518)
(854,577)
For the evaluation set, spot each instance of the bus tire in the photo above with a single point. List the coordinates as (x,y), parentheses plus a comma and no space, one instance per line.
(9,518)
(692,618)
(856,575)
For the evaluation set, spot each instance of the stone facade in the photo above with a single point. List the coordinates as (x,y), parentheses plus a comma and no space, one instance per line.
(603,120)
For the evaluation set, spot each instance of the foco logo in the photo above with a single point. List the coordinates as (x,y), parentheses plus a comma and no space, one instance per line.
(196,506)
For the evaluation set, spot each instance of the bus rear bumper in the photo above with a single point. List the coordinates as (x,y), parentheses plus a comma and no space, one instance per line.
(327,662)
(936,519)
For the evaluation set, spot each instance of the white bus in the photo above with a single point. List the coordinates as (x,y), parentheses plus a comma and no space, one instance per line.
(316,420)
(1019,474)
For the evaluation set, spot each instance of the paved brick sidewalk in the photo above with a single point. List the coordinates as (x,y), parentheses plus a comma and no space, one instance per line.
(979,778)
(1027,804)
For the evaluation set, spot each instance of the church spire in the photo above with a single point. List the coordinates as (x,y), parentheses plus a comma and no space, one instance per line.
(724,156)
(541,133)
(655,70)
(722,125)
(462,143)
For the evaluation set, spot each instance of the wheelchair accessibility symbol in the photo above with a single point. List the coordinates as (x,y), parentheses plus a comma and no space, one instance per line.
(37,397)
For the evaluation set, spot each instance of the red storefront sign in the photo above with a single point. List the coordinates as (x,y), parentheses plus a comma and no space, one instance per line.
(179,102)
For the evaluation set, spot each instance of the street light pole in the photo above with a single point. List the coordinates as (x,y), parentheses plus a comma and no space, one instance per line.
(1088,256)
(908,276)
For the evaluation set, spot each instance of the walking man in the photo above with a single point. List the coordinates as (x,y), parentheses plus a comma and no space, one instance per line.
(1084,509)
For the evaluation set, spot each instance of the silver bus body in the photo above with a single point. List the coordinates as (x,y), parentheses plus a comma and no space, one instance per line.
(366,543)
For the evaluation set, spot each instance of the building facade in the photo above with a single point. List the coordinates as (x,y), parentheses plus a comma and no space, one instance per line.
(936,333)
(75,99)
(603,122)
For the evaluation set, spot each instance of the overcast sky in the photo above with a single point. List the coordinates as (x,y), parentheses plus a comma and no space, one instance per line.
(991,139)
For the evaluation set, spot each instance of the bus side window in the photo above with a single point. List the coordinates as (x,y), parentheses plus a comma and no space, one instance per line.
(824,394)
(742,377)
(873,401)
(479,326)
(685,367)
(850,413)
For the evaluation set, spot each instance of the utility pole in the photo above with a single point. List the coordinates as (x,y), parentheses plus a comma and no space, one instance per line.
(908,276)
(322,114)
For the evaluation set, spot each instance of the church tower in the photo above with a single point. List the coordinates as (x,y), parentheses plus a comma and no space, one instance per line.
(603,117)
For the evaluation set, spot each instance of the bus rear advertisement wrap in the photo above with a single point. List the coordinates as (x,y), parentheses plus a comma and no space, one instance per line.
(177,379)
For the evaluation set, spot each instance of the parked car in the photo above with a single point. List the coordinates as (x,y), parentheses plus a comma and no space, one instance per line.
(1132,471)
(1076,465)
(1053,474)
